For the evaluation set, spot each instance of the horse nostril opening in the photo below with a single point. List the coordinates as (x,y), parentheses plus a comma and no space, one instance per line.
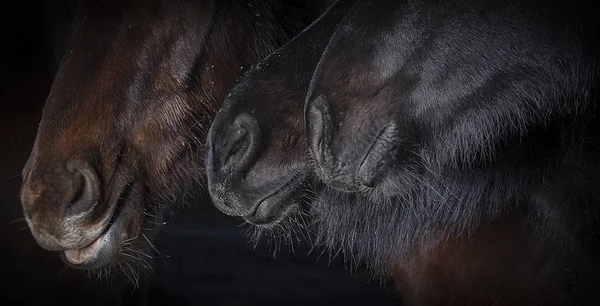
(320,131)
(85,191)
(78,190)
(240,144)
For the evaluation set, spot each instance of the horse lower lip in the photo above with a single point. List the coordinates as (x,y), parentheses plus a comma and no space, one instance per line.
(80,256)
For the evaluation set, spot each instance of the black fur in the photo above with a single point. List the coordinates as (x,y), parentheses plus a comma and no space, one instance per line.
(246,140)
(473,111)
(457,140)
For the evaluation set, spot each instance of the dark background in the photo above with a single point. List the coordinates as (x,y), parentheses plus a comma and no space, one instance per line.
(207,260)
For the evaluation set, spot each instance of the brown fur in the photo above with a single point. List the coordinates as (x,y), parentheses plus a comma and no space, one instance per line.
(136,90)
(496,265)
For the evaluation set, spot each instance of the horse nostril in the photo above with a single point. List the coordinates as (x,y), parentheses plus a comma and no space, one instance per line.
(379,155)
(240,145)
(58,201)
(85,191)
(320,131)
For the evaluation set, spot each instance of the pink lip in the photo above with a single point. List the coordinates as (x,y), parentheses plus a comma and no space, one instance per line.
(80,256)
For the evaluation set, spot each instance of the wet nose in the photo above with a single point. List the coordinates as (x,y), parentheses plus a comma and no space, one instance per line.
(56,202)
(233,148)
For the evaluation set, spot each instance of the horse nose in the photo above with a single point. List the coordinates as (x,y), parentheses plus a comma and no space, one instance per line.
(56,202)
(81,199)
(237,147)
(232,150)
(319,131)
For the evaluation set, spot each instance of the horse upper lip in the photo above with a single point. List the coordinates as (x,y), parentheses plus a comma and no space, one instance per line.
(110,218)
(115,210)
(112,222)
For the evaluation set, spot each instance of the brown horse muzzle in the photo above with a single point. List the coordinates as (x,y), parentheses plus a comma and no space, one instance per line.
(61,205)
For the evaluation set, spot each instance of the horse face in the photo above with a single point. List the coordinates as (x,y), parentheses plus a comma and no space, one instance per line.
(257,162)
(418,117)
(119,139)
(427,92)
(111,128)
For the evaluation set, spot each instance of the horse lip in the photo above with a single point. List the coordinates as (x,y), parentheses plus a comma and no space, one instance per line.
(277,199)
(93,247)
(108,234)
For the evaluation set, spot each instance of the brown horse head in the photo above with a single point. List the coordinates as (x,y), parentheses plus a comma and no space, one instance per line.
(121,134)
(257,162)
